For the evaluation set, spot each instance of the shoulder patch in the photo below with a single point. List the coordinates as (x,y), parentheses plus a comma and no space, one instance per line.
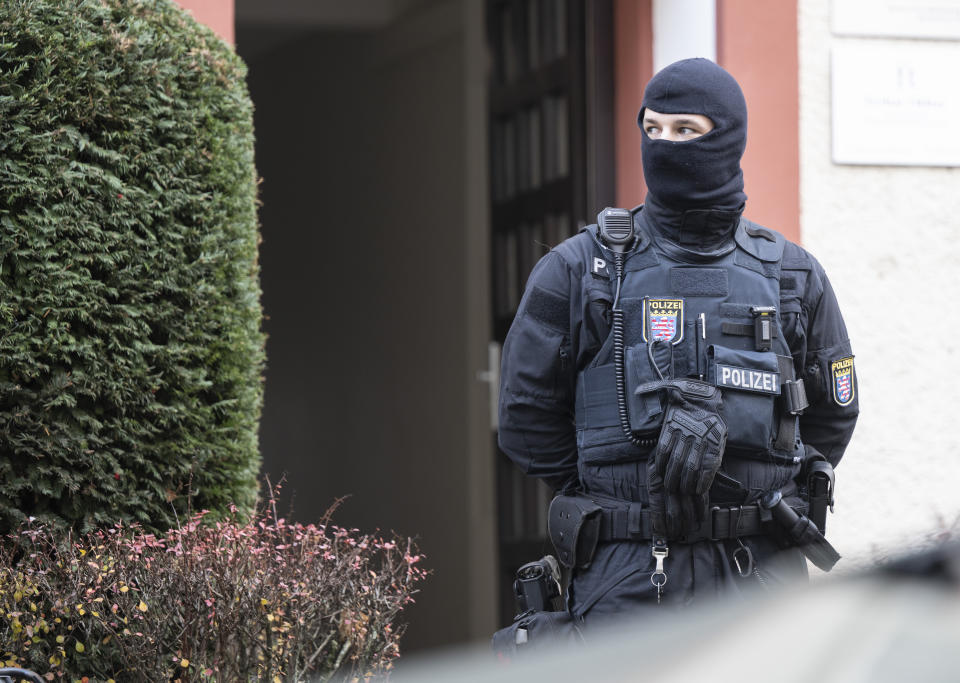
(843,385)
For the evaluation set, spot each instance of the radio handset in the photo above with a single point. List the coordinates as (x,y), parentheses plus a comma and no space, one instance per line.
(616,231)
(616,228)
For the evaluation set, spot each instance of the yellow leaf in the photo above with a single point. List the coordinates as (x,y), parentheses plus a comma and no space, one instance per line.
(60,639)
(124,589)
(79,646)
(184,663)
(142,606)
(264,601)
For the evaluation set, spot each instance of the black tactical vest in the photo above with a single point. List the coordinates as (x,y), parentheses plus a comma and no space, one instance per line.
(712,319)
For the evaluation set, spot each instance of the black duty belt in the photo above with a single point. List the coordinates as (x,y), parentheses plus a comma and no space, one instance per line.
(576,524)
(633,523)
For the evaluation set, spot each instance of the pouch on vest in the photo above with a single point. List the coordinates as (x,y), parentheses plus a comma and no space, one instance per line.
(573,524)
(750,382)
(645,406)
(600,437)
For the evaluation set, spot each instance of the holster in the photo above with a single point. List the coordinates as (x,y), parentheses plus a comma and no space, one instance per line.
(533,630)
(573,524)
(801,532)
(820,486)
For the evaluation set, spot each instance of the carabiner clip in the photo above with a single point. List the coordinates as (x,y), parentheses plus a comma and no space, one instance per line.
(747,570)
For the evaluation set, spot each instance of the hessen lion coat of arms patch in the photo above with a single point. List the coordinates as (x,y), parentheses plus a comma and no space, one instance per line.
(663,320)
(842,372)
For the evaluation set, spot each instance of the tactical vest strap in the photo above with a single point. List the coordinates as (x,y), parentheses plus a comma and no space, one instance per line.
(744,329)
(794,401)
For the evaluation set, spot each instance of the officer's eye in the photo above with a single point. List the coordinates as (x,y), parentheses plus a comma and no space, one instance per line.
(689,132)
(653,131)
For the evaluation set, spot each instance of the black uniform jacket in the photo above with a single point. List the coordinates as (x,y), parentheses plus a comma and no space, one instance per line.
(542,357)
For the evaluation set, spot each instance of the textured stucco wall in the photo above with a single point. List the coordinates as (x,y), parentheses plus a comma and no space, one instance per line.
(887,237)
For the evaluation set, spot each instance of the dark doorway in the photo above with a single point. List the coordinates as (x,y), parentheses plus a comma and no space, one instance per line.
(551,172)
(377,323)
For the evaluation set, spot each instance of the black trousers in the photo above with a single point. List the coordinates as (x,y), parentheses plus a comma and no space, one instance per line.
(618,581)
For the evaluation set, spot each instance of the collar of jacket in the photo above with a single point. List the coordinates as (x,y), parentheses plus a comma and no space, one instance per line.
(694,234)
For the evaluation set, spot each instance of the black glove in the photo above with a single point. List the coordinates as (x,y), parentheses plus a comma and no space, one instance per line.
(672,515)
(687,457)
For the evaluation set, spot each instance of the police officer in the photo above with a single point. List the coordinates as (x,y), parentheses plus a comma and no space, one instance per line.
(682,375)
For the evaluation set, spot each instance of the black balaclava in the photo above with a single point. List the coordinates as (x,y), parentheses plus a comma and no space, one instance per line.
(696,186)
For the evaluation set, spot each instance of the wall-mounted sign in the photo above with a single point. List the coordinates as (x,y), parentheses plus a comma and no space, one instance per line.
(897,18)
(896,103)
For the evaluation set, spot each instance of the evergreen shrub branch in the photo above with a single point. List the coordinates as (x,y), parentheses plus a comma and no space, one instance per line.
(131,353)
(228,601)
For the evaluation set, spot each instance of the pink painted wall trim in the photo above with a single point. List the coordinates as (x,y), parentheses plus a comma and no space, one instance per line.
(217,14)
(757,43)
(633,65)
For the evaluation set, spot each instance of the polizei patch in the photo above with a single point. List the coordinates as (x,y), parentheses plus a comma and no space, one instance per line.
(663,320)
(746,379)
(843,389)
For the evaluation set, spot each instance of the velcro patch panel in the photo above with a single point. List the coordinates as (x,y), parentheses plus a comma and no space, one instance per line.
(549,308)
(699,281)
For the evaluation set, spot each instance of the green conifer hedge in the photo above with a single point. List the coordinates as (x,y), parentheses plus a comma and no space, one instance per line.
(131,354)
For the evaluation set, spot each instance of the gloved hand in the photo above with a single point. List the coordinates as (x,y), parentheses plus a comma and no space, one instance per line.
(672,515)
(687,457)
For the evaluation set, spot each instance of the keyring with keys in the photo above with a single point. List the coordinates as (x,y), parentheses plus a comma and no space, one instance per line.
(659,577)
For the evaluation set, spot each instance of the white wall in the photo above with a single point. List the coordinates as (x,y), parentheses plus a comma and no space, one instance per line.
(683,29)
(887,237)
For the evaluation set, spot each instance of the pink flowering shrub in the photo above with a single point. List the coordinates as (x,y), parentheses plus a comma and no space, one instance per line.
(226,601)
